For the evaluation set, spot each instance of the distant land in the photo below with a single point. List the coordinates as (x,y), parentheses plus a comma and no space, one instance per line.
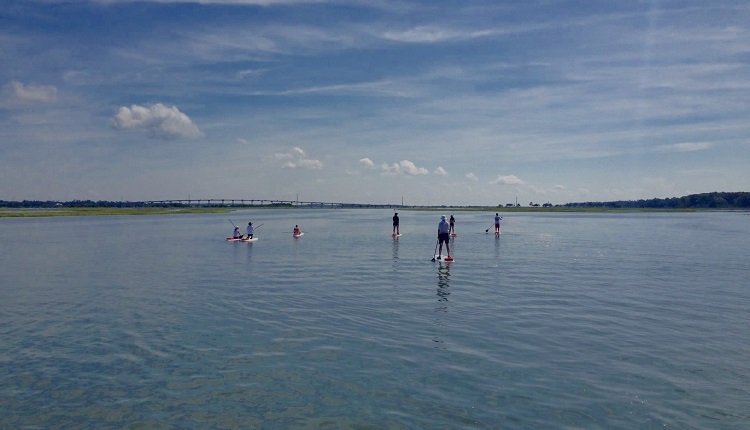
(714,200)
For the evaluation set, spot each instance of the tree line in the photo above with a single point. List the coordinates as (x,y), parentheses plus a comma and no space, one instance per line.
(715,200)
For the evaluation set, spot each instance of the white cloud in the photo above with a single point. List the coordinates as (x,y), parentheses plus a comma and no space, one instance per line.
(559,188)
(685,147)
(296,159)
(16,94)
(427,34)
(161,121)
(440,171)
(506,180)
(366,162)
(405,167)
(471,176)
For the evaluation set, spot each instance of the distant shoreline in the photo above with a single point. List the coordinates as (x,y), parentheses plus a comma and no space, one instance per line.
(107,211)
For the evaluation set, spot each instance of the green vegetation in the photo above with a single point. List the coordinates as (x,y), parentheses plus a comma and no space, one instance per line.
(693,202)
(738,200)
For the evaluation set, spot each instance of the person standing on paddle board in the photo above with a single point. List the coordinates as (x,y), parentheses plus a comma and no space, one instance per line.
(395,224)
(250,230)
(452,229)
(444,236)
(497,223)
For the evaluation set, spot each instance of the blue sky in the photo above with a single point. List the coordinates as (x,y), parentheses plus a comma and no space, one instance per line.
(438,102)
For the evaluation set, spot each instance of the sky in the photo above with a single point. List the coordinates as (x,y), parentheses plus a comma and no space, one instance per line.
(428,102)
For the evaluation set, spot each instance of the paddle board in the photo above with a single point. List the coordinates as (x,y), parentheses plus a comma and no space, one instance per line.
(454,234)
(233,239)
(298,235)
(250,240)
(396,235)
(444,258)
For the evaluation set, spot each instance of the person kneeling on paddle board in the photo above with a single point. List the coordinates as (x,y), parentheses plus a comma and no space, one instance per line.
(250,230)
(236,233)
(296,231)
(444,236)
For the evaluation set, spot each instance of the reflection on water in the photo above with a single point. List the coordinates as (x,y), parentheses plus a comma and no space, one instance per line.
(443,284)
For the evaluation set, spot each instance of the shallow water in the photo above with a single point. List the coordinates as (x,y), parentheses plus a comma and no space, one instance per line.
(565,320)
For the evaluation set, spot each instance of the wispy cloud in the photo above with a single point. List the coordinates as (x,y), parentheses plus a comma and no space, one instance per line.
(160,121)
(471,176)
(18,94)
(440,171)
(431,34)
(685,147)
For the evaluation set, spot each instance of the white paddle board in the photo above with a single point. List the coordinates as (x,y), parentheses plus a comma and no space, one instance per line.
(298,235)
(250,240)
(444,258)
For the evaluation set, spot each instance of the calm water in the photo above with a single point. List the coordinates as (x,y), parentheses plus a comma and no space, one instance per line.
(566,320)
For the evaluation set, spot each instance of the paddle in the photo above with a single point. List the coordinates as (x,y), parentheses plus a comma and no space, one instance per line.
(436,245)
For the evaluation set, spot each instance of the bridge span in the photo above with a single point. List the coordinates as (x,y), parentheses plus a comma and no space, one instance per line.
(242,203)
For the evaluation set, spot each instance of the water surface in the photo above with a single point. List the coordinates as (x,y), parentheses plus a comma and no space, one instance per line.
(565,320)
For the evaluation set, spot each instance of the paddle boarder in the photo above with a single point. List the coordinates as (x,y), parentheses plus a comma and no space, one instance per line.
(236,233)
(296,231)
(497,223)
(250,230)
(452,228)
(395,224)
(444,236)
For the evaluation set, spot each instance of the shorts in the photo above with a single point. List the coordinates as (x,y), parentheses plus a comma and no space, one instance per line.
(443,237)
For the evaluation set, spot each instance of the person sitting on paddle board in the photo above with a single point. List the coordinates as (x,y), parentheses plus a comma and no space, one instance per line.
(250,230)
(444,236)
(497,223)
(452,229)
(395,224)
(236,233)
(296,231)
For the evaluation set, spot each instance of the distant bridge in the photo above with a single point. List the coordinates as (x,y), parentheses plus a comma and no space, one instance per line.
(262,202)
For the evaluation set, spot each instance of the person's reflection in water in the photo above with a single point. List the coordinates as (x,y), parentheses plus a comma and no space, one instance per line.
(395,254)
(444,277)
(443,291)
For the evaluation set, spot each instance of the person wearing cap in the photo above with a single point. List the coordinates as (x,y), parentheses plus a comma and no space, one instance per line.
(250,230)
(395,224)
(236,233)
(444,236)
